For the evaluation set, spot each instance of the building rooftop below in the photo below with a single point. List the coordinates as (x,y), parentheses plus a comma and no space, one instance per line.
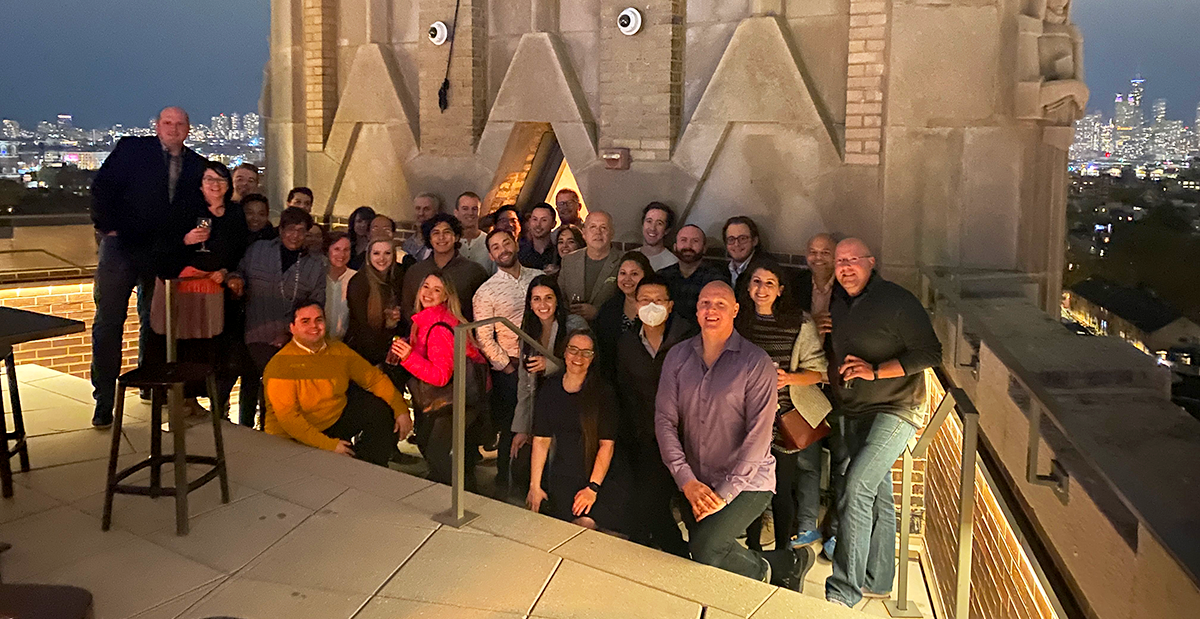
(1137,305)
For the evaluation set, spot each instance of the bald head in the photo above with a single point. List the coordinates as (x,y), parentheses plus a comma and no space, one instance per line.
(853,265)
(716,309)
(172,128)
(820,256)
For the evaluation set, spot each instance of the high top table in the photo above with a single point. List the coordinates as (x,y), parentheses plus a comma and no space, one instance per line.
(17,327)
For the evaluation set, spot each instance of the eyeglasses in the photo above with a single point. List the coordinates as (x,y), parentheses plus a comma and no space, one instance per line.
(846,262)
(586,353)
(214,180)
(737,240)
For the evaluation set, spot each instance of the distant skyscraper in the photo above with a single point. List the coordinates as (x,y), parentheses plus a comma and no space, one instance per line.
(11,129)
(66,121)
(235,122)
(251,124)
(1087,137)
(1136,89)
(1160,110)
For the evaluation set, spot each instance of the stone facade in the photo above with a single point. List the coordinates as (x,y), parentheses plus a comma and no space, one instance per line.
(932,130)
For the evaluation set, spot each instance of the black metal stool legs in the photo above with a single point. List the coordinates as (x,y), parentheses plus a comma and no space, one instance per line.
(111,486)
(179,433)
(217,411)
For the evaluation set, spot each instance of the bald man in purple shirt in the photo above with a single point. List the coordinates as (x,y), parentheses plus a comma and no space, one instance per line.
(715,408)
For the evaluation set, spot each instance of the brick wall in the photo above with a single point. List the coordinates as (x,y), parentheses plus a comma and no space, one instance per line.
(1003,583)
(73,353)
(455,131)
(320,70)
(641,79)
(865,81)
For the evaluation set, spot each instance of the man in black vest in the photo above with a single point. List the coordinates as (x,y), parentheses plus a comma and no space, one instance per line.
(142,186)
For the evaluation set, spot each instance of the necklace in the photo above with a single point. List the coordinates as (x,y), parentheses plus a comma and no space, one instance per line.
(295,283)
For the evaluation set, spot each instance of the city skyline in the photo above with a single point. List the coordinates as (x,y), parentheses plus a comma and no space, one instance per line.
(219,57)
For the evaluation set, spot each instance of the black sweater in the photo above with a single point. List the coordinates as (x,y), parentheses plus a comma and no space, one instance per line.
(883,322)
(637,380)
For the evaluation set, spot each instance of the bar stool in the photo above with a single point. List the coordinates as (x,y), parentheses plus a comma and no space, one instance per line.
(165,382)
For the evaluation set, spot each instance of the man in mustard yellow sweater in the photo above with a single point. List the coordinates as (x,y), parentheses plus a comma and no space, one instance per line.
(310,397)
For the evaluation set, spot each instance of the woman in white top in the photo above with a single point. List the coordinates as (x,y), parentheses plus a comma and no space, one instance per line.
(337,312)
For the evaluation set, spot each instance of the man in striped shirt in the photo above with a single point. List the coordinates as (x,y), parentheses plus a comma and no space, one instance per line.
(503,294)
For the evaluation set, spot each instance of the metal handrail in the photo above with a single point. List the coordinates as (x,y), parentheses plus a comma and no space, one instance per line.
(955,400)
(457,516)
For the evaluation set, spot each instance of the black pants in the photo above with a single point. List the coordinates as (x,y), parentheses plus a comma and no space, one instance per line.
(372,417)
(783,503)
(654,490)
(503,402)
(435,439)
(260,354)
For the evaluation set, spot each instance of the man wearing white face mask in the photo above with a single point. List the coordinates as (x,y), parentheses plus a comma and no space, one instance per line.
(640,356)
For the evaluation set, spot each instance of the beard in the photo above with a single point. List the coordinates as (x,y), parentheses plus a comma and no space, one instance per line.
(688,255)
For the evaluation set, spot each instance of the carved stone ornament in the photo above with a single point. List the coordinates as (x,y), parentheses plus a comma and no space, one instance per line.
(1049,72)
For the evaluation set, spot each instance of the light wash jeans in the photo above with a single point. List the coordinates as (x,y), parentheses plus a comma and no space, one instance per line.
(866,548)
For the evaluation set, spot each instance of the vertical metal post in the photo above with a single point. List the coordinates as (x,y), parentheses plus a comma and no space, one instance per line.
(902,606)
(172,352)
(457,516)
(966,512)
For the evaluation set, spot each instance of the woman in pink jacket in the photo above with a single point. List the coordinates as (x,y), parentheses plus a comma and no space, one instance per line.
(429,356)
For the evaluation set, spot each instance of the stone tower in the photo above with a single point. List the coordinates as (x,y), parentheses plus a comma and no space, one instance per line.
(937,132)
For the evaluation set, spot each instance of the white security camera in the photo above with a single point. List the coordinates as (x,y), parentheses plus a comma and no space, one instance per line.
(439,33)
(629,22)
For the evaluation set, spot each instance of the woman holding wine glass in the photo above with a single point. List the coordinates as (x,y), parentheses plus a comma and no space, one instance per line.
(200,253)
(373,296)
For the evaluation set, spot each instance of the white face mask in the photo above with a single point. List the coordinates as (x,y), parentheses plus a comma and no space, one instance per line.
(652,314)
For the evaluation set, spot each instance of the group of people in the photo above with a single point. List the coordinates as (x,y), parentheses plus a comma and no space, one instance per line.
(659,381)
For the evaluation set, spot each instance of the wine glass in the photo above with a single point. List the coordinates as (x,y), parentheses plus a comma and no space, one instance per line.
(205,223)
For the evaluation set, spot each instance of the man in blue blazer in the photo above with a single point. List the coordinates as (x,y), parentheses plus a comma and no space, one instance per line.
(142,186)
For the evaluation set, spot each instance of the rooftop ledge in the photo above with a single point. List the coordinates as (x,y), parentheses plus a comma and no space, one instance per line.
(1101,461)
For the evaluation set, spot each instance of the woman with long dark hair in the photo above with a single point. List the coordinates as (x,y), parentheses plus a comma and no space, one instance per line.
(337,307)
(770,321)
(373,297)
(547,321)
(203,248)
(619,314)
(576,413)
(360,235)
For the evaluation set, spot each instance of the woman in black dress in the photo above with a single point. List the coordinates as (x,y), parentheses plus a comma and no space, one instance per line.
(201,249)
(373,298)
(576,411)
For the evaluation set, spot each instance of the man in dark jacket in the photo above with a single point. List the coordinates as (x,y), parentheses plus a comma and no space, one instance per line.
(142,186)
(883,342)
(640,357)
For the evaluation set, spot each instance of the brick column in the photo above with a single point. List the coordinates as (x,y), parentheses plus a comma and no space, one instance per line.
(865,81)
(320,70)
(455,132)
(641,79)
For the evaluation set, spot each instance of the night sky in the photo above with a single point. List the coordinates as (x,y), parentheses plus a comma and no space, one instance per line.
(119,61)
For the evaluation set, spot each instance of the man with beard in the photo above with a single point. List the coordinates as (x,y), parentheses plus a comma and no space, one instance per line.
(503,294)
(245,182)
(538,250)
(688,276)
(442,234)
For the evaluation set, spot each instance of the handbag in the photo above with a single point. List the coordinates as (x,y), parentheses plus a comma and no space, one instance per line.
(437,401)
(805,424)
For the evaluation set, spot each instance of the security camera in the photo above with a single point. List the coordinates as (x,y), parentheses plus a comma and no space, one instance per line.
(439,32)
(629,22)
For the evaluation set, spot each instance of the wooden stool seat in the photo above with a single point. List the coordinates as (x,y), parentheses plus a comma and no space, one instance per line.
(165,382)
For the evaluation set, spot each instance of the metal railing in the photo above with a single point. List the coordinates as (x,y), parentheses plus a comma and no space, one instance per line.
(457,516)
(955,401)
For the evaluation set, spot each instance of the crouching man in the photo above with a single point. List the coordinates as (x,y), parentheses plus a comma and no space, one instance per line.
(310,397)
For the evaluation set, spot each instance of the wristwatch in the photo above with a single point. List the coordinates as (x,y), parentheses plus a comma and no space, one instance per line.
(874,372)
(594,487)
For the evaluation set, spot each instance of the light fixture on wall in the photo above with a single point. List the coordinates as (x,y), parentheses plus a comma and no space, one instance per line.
(629,22)
(439,33)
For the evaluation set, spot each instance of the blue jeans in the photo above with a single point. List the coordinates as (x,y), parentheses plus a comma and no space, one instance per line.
(866,548)
(119,271)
